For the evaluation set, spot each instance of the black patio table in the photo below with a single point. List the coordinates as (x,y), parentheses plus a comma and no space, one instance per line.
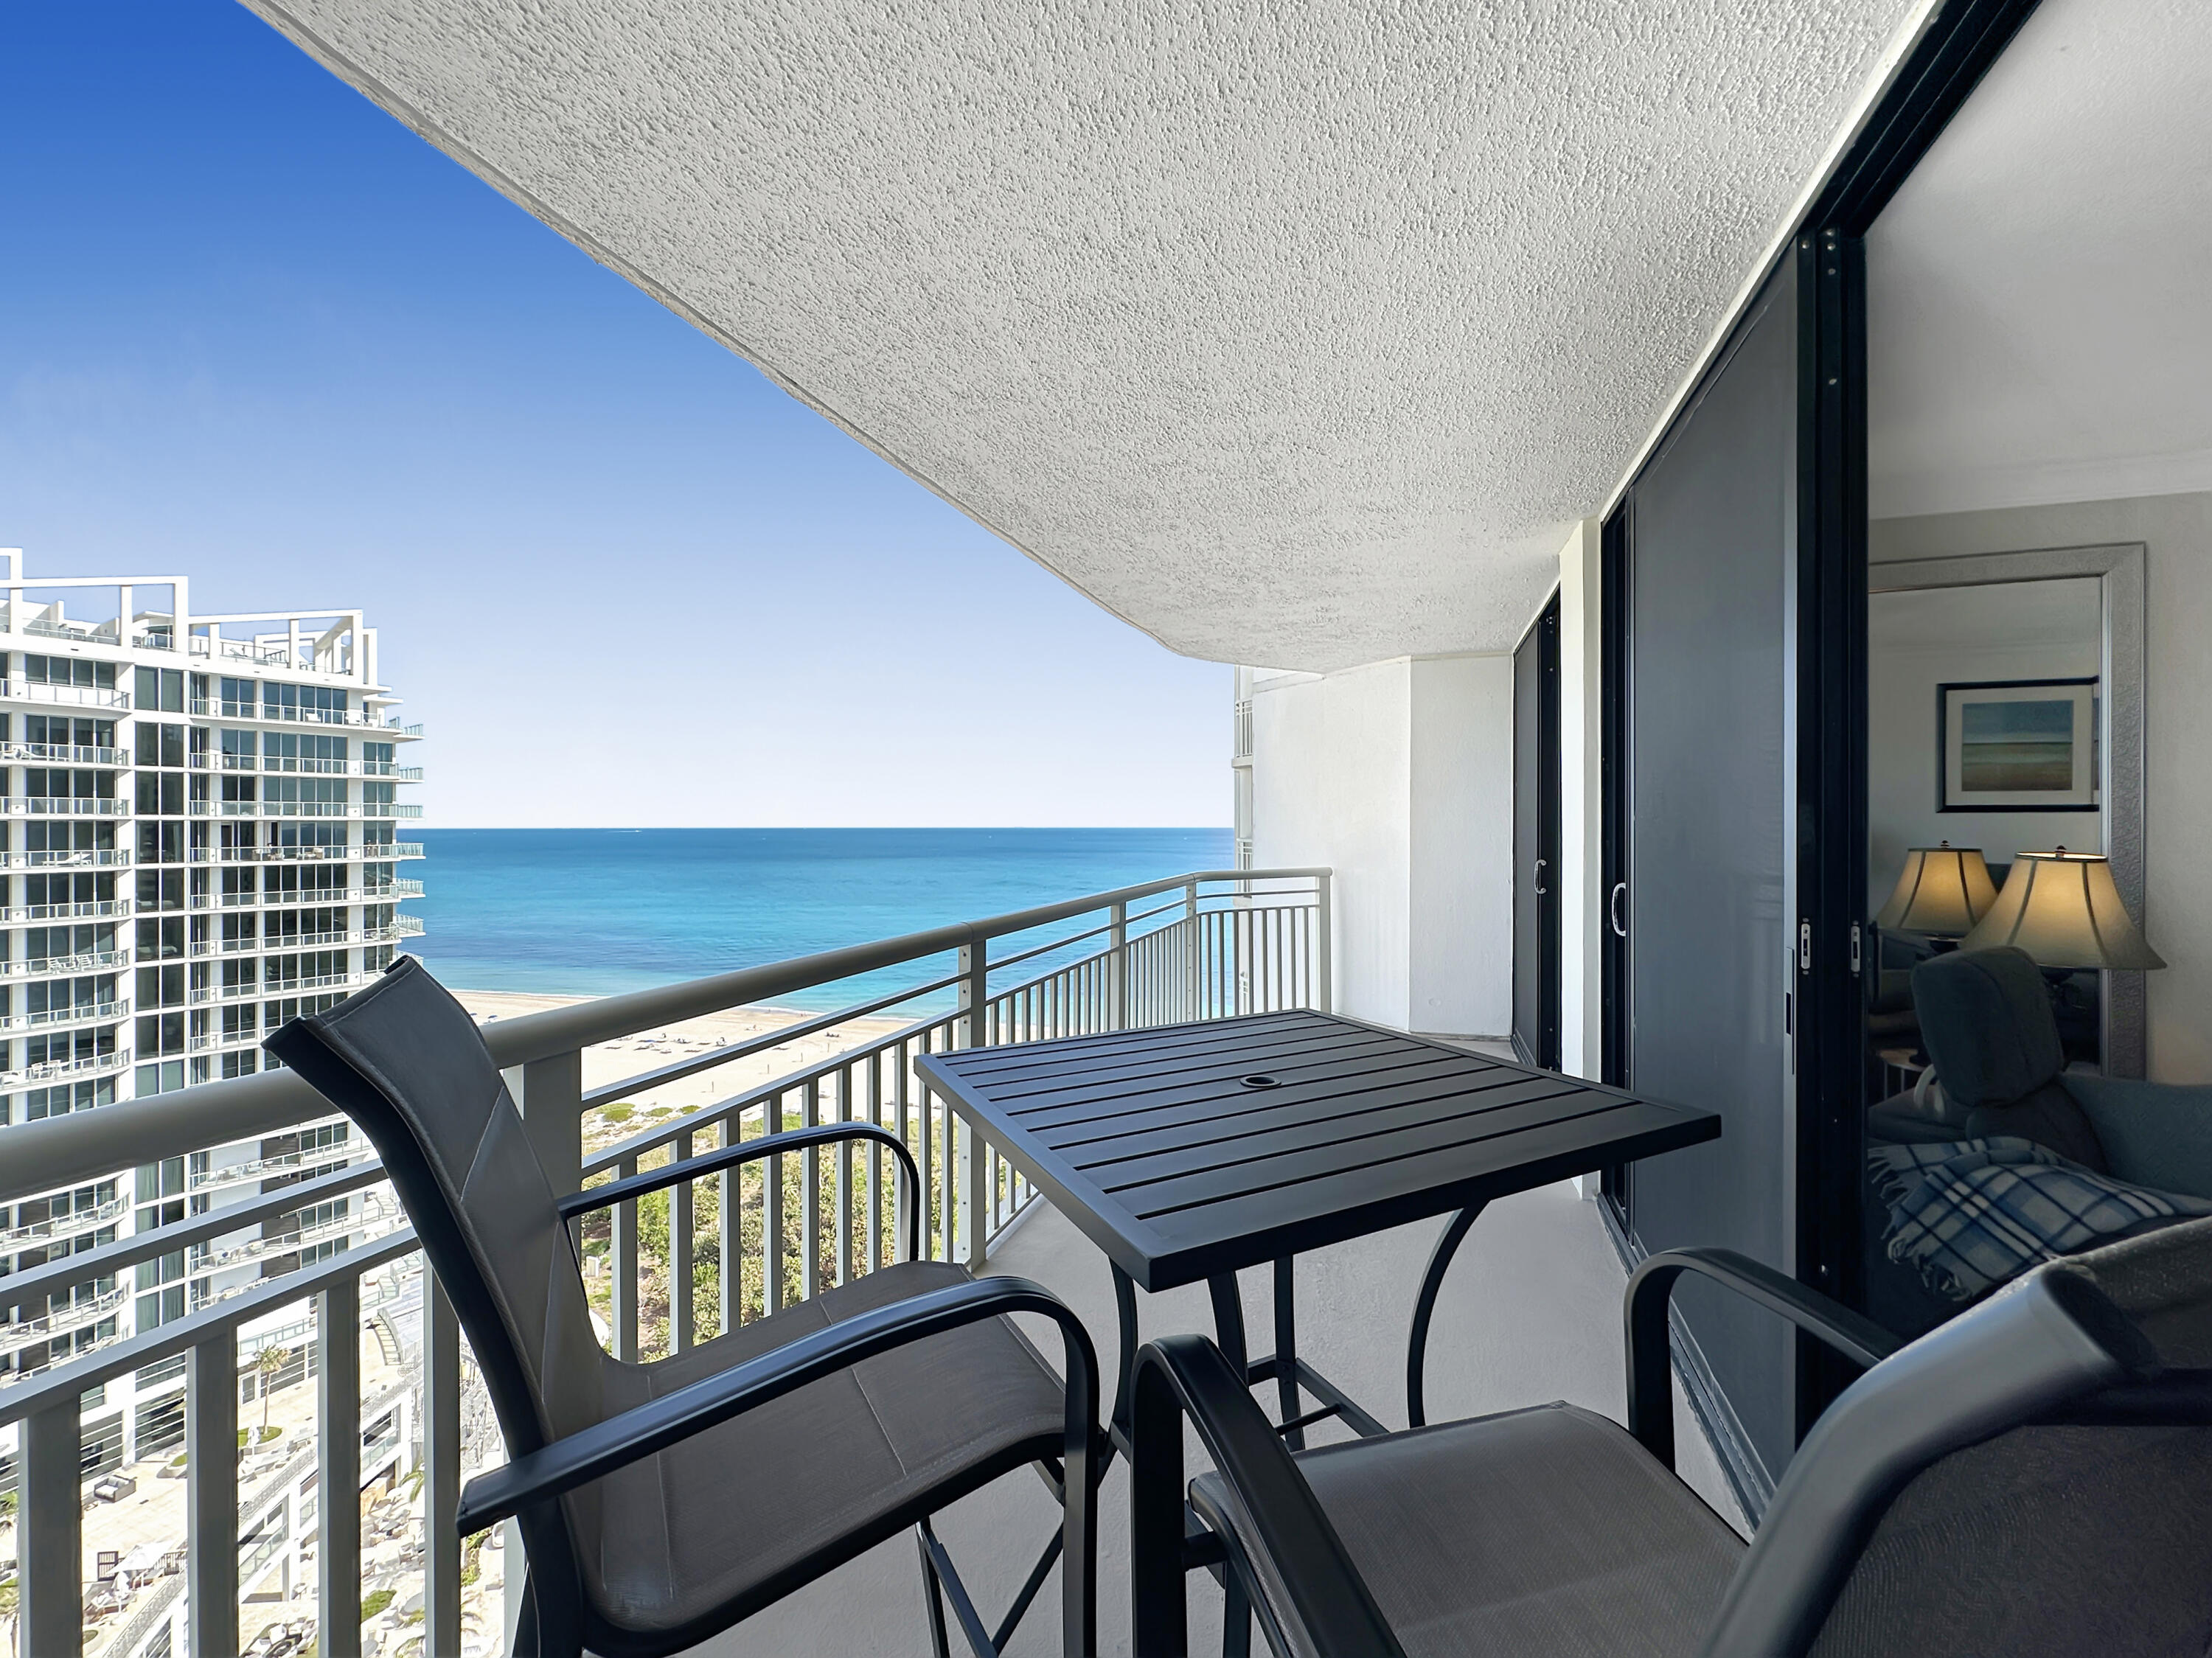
(1189,1152)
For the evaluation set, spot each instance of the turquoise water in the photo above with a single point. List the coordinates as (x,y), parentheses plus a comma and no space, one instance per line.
(591,912)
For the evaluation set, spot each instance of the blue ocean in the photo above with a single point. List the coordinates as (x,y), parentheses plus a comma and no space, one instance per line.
(593,912)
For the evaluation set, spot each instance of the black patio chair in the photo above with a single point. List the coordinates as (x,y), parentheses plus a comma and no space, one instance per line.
(2035,1479)
(662,1503)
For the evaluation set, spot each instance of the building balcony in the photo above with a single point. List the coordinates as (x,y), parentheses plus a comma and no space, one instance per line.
(75,696)
(57,1070)
(91,908)
(402,926)
(282,766)
(89,1013)
(62,1226)
(303,809)
(62,754)
(62,1320)
(260,1169)
(383,852)
(55,805)
(50,967)
(288,988)
(263,714)
(86,858)
(391,892)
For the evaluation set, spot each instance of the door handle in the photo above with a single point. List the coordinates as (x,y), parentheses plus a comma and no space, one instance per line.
(1541,890)
(1612,909)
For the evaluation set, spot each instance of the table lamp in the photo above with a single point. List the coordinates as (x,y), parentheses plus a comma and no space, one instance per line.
(1943,891)
(2062,910)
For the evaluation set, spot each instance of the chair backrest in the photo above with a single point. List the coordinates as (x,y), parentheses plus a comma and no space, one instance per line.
(1985,1019)
(2032,1478)
(405,1061)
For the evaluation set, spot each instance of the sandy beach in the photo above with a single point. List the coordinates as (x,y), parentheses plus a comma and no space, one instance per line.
(649,1050)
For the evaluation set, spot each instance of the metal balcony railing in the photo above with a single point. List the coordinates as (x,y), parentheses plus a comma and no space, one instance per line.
(61,1226)
(391,892)
(90,907)
(60,1320)
(68,857)
(47,967)
(1199,946)
(379,852)
(82,696)
(402,926)
(50,1069)
(270,714)
(84,1013)
(62,754)
(287,766)
(62,805)
(1241,738)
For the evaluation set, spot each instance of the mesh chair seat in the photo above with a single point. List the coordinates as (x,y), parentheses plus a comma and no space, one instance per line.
(1546,1532)
(733,1513)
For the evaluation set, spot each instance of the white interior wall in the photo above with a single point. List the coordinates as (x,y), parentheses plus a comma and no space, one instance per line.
(1332,770)
(1460,923)
(2176,531)
(1398,776)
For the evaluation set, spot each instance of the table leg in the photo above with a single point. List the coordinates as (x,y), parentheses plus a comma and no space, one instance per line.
(1125,1310)
(1229,1321)
(1424,1307)
(1286,1352)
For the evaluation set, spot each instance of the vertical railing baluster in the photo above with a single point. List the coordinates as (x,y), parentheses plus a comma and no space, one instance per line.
(810,1194)
(730,1224)
(679,1256)
(1117,980)
(1324,997)
(875,1229)
(621,1260)
(772,1215)
(337,1471)
(844,1181)
(210,1493)
(974,995)
(50,1530)
(926,1159)
(910,1134)
(441,1469)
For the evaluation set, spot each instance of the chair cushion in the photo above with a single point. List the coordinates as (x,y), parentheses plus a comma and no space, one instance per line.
(1539,1532)
(724,1514)
(1985,1018)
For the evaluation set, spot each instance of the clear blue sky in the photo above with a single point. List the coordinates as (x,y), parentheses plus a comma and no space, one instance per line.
(253,330)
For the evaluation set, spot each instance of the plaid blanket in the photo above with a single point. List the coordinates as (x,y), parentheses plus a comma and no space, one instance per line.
(1972,1214)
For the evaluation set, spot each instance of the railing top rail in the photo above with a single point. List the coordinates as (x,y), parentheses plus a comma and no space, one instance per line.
(56,1152)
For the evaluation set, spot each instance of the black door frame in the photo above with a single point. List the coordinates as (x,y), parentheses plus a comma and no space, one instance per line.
(1955,51)
(1545,1051)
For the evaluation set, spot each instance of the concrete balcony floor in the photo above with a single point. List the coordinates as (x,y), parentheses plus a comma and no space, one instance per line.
(1531,1313)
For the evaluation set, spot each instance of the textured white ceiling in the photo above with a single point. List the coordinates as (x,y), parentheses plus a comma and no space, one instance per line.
(1294,335)
(2039,292)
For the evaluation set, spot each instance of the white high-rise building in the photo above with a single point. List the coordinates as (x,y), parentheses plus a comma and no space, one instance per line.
(200,839)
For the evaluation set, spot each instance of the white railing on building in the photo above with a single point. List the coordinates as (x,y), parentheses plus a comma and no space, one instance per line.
(82,1013)
(1199,946)
(377,852)
(1242,736)
(50,1070)
(47,967)
(273,713)
(62,805)
(82,696)
(68,857)
(62,754)
(90,907)
(286,765)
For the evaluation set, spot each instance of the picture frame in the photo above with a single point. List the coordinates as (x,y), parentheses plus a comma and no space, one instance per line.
(2017,745)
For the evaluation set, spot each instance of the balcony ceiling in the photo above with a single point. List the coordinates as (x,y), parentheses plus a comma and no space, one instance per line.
(1293,337)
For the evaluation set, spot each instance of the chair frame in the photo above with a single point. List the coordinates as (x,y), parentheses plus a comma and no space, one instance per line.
(2060,1359)
(556,1617)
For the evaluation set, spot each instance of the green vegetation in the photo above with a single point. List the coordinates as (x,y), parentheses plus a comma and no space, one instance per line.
(373,1602)
(620,1111)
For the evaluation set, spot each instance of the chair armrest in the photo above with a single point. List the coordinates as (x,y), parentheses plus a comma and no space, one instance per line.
(594,1197)
(2154,1134)
(1188,1374)
(1651,1366)
(590,1453)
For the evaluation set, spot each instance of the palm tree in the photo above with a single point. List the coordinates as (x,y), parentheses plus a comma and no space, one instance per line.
(272,1360)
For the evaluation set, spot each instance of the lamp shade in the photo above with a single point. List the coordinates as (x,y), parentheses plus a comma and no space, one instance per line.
(1942,889)
(2064,910)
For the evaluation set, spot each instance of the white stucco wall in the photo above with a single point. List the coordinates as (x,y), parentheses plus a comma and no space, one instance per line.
(2176,531)
(1460,923)
(1398,776)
